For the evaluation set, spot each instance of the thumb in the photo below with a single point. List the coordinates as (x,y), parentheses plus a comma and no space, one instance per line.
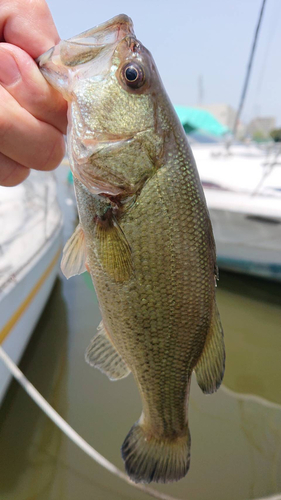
(20,76)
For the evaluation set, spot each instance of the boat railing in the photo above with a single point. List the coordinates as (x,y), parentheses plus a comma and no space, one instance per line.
(269,166)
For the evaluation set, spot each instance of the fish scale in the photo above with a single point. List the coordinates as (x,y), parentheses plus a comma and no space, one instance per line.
(145,237)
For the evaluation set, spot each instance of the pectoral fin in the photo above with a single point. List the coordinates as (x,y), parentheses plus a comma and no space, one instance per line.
(114,251)
(210,367)
(102,354)
(74,254)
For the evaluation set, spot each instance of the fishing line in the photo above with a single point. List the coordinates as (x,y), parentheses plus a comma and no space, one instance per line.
(70,432)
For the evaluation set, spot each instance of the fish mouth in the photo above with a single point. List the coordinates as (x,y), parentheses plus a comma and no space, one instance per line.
(44,58)
(108,32)
(85,46)
(61,63)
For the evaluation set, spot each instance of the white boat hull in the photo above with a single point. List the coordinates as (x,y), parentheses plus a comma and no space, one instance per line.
(248,240)
(243,193)
(22,305)
(30,244)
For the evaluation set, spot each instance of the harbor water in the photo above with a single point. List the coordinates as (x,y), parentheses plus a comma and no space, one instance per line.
(236,433)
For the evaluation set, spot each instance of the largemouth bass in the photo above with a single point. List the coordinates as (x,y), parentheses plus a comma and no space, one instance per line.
(144,236)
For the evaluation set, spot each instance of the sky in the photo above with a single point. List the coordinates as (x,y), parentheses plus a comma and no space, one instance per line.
(197,39)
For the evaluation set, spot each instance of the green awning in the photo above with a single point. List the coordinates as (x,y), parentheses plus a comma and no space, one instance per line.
(199,119)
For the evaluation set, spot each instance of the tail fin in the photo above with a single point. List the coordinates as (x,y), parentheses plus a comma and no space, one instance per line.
(149,459)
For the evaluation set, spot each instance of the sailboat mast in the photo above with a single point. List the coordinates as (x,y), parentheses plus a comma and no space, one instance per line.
(248,72)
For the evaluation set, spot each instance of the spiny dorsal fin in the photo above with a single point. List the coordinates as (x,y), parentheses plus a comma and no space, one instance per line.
(74,254)
(210,367)
(114,251)
(102,354)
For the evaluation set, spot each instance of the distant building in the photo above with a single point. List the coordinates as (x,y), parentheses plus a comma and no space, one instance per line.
(225,114)
(261,125)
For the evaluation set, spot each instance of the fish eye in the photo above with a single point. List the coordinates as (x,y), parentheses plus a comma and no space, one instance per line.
(133,75)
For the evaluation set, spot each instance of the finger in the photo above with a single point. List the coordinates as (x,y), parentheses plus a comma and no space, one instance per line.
(28,24)
(11,172)
(20,75)
(26,140)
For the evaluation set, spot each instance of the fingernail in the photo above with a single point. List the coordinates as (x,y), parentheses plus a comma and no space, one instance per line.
(9,71)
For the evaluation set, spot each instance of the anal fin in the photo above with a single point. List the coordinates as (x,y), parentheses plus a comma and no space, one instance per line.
(74,254)
(210,367)
(102,354)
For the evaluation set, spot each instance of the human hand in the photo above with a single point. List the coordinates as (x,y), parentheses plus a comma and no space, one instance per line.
(32,113)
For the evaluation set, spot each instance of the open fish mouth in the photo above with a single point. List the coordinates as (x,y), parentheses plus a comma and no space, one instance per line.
(61,63)
(84,47)
(106,33)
